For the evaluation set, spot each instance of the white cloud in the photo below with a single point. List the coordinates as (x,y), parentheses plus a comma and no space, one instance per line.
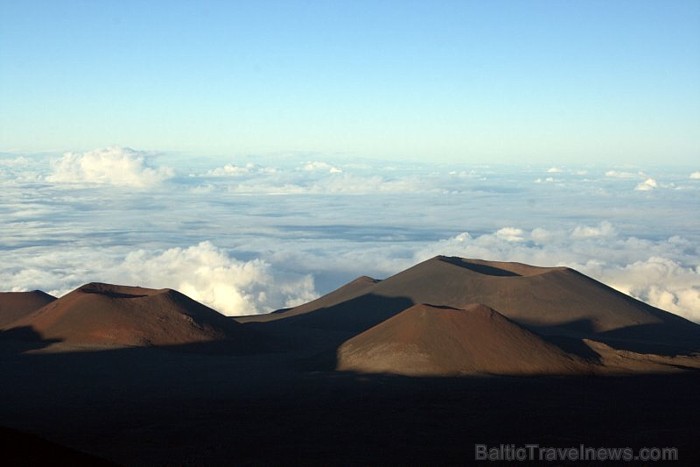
(321,166)
(622,174)
(540,235)
(328,183)
(695,175)
(317,177)
(647,185)
(233,170)
(554,170)
(347,183)
(19,161)
(604,229)
(203,189)
(110,166)
(22,169)
(510,234)
(661,282)
(204,272)
(208,274)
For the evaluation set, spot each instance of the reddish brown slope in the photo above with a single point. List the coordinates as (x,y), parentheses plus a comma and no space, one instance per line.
(555,301)
(428,340)
(345,293)
(112,315)
(17,305)
(532,295)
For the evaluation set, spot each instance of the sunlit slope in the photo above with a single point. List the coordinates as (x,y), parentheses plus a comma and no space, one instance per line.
(17,305)
(427,340)
(114,315)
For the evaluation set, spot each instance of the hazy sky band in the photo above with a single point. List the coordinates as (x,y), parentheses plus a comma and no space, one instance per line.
(548,81)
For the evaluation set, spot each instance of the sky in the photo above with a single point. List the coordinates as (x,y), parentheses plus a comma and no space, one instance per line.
(549,82)
(255,155)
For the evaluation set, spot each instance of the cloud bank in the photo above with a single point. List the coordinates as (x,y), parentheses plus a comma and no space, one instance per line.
(204,272)
(110,166)
(208,274)
(308,177)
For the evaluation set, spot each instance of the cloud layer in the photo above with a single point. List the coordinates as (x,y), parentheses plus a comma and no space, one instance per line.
(250,235)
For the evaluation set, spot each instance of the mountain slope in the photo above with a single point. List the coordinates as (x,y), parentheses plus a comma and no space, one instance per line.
(17,305)
(427,340)
(555,301)
(113,315)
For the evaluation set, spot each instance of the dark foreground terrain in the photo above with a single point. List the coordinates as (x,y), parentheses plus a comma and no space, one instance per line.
(416,369)
(150,406)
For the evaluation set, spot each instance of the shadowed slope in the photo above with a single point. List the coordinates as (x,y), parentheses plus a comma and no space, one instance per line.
(428,340)
(27,449)
(112,315)
(347,292)
(17,305)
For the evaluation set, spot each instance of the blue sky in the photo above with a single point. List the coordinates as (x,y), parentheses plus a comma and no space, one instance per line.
(464,81)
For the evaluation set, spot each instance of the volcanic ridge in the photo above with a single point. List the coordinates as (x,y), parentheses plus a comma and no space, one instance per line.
(443,317)
(449,315)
